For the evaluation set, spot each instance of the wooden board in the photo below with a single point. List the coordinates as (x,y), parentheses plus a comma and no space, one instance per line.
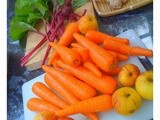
(144,113)
(34,38)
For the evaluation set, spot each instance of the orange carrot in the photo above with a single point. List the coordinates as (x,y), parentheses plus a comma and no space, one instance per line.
(41,89)
(70,99)
(66,38)
(89,77)
(83,53)
(99,37)
(93,68)
(111,83)
(68,55)
(80,89)
(54,61)
(67,72)
(126,49)
(57,86)
(65,118)
(96,104)
(99,55)
(39,105)
(76,45)
(115,71)
(119,55)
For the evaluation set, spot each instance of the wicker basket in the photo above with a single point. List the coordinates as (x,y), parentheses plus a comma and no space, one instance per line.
(103,9)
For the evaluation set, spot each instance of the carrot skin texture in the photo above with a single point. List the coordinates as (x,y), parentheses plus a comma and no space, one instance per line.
(84,53)
(66,38)
(80,89)
(120,56)
(72,100)
(41,89)
(93,68)
(114,72)
(99,55)
(39,105)
(126,49)
(111,85)
(96,104)
(56,85)
(99,37)
(76,45)
(87,76)
(68,55)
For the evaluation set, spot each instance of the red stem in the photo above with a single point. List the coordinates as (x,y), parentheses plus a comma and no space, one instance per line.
(46,54)
(51,40)
(28,55)
(50,35)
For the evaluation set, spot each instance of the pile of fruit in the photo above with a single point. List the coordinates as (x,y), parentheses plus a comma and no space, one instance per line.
(80,75)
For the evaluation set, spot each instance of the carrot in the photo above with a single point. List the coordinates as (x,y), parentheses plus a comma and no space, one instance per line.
(78,88)
(57,86)
(126,49)
(89,77)
(99,55)
(67,72)
(70,99)
(96,104)
(41,89)
(66,38)
(65,118)
(111,83)
(39,105)
(93,68)
(54,61)
(99,37)
(83,53)
(68,55)
(76,45)
(115,71)
(119,55)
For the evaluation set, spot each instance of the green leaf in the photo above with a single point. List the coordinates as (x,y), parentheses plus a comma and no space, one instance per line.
(33,17)
(78,3)
(22,3)
(41,8)
(21,18)
(27,9)
(17,29)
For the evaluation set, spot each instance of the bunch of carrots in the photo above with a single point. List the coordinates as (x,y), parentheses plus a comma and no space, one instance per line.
(79,77)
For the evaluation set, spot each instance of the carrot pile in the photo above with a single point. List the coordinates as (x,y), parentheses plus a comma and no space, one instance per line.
(79,77)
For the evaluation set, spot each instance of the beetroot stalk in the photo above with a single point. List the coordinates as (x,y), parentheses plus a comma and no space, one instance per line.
(61,14)
(28,55)
(51,40)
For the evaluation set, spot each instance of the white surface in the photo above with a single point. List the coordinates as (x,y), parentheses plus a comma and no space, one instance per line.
(144,113)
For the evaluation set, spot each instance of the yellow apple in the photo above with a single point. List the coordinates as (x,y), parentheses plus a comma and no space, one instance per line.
(45,116)
(87,22)
(128,74)
(144,85)
(126,101)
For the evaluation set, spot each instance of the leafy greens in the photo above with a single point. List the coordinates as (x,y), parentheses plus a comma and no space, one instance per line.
(28,12)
